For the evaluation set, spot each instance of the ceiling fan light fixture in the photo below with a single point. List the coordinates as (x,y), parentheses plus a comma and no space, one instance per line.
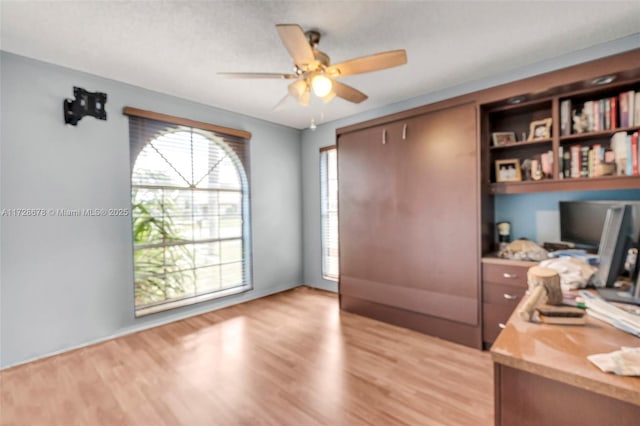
(326,99)
(321,85)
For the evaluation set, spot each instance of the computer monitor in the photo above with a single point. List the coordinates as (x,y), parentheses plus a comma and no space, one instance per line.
(582,222)
(617,238)
(631,295)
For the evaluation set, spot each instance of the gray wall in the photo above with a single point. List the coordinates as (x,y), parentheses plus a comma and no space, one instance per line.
(324,135)
(68,281)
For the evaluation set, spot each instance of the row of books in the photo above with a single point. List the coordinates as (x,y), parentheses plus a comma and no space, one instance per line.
(620,159)
(610,113)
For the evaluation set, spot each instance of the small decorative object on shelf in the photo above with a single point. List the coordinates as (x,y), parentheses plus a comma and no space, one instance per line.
(503,138)
(540,129)
(580,123)
(508,170)
(504,234)
(536,170)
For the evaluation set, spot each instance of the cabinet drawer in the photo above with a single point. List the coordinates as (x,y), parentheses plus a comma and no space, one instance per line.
(494,317)
(505,274)
(502,294)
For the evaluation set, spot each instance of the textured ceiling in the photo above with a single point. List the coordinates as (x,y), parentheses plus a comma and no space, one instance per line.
(177,47)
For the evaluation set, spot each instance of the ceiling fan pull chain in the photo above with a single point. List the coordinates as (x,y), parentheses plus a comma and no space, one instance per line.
(384,136)
(404,132)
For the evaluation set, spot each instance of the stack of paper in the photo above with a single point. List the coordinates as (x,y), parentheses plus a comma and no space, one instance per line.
(605,311)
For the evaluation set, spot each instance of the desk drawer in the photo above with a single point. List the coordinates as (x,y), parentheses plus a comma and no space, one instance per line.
(502,294)
(505,274)
(494,317)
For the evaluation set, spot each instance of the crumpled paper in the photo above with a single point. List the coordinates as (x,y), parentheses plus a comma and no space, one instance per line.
(574,273)
(625,362)
(523,249)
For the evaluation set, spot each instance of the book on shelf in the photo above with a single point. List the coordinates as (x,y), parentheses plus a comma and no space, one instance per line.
(566,163)
(596,117)
(633,155)
(565,117)
(607,115)
(546,163)
(632,108)
(614,112)
(619,148)
(629,168)
(636,114)
(624,109)
(575,161)
(629,107)
(598,157)
(587,111)
(584,161)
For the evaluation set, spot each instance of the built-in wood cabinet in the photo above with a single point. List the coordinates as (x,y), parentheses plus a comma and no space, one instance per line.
(408,206)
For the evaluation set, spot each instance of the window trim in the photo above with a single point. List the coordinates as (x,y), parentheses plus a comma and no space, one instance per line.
(172,119)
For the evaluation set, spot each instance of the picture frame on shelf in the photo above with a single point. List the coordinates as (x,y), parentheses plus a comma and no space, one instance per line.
(540,129)
(503,138)
(508,170)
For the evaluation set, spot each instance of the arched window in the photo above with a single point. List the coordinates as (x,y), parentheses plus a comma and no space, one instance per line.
(190,205)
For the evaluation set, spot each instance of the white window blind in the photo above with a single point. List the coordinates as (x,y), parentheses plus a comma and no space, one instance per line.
(190,205)
(329,212)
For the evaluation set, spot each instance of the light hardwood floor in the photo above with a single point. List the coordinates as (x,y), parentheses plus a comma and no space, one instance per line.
(289,359)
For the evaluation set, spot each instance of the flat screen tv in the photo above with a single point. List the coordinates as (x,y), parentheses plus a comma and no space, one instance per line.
(582,222)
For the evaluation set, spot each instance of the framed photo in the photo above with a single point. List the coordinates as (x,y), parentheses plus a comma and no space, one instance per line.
(508,170)
(540,129)
(503,138)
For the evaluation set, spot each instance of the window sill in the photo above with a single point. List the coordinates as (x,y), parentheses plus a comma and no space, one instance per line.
(166,306)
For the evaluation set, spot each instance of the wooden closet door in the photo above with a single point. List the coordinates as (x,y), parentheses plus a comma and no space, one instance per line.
(437,215)
(408,215)
(366,205)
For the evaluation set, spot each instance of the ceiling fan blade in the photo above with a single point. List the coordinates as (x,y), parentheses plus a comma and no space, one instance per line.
(296,43)
(378,61)
(348,93)
(257,75)
(280,104)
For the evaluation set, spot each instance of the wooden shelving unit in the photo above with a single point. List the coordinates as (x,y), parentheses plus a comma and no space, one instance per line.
(577,184)
(505,117)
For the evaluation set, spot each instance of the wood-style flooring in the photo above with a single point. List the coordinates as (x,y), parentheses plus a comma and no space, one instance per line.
(289,359)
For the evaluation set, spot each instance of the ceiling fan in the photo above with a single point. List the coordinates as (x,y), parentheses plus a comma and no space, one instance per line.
(313,69)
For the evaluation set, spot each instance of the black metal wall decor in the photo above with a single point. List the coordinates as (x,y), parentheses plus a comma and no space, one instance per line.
(85,103)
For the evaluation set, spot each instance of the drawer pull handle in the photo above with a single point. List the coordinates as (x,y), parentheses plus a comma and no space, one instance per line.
(384,136)
(501,325)
(509,296)
(404,132)
(508,275)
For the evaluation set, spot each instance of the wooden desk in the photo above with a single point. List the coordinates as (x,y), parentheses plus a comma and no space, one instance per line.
(543,377)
